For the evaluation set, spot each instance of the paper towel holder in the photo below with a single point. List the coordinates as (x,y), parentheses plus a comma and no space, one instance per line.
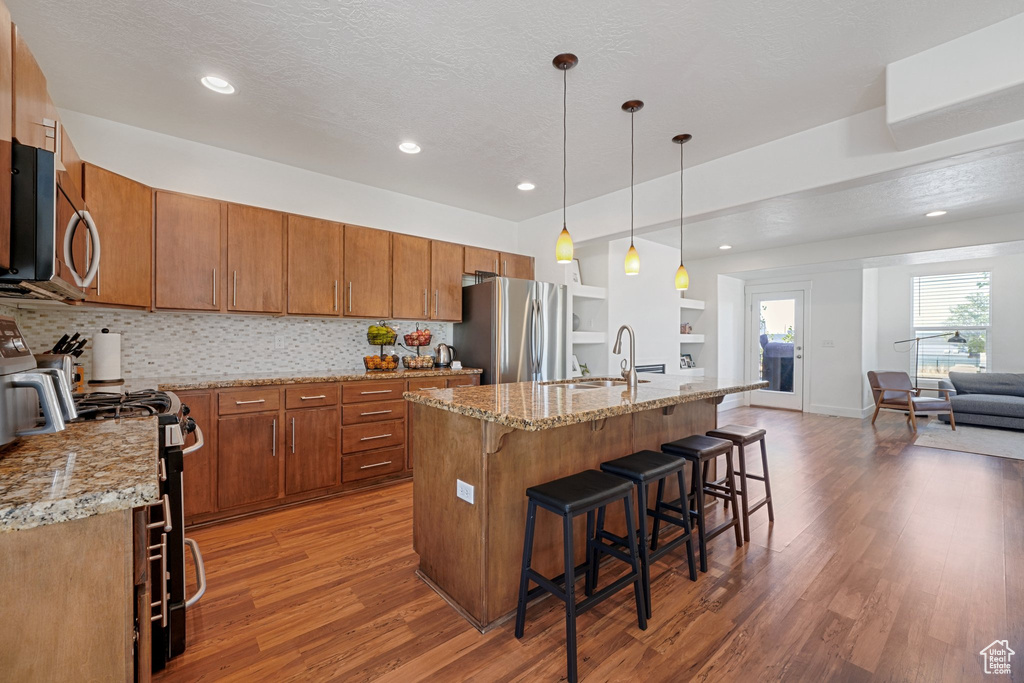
(107,344)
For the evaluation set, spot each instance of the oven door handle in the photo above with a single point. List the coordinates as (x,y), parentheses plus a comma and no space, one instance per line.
(197,445)
(43,385)
(197,559)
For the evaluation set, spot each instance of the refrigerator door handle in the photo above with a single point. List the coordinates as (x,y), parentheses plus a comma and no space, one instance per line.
(538,351)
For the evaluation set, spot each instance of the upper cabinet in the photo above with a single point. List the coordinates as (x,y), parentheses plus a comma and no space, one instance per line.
(314,266)
(446,280)
(410,277)
(480,259)
(256,259)
(6,112)
(32,105)
(123,211)
(189,235)
(367,272)
(517,266)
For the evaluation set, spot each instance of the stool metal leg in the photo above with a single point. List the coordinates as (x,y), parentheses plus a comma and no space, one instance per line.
(767,481)
(684,503)
(570,599)
(730,474)
(641,617)
(697,490)
(743,492)
(531,518)
(641,504)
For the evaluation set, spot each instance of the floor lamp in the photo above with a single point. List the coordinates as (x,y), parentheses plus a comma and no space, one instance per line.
(955,339)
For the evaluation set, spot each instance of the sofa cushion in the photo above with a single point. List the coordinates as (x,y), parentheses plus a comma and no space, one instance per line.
(989,404)
(998,383)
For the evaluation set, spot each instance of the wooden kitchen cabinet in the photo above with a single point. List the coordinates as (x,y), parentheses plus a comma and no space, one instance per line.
(446,280)
(367,272)
(31,102)
(312,454)
(123,211)
(256,259)
(314,266)
(199,477)
(189,236)
(410,277)
(248,469)
(517,266)
(480,259)
(6,129)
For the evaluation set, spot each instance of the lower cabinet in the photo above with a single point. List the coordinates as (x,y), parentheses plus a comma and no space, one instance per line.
(247,459)
(312,456)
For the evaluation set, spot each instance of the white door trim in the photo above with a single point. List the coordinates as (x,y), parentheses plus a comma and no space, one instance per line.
(748,351)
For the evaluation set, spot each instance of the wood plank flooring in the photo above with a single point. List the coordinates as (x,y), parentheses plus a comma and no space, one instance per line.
(886,562)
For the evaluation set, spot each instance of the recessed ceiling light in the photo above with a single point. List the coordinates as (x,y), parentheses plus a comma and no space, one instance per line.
(935,214)
(409,148)
(217,84)
(526,187)
(725,246)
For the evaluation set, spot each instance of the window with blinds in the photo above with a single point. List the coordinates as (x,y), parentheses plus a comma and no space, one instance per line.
(944,305)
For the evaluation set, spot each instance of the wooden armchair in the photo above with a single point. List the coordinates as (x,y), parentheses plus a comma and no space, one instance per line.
(894,391)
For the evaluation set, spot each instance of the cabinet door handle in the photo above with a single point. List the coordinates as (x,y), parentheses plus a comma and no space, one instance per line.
(234,290)
(215,287)
(378,391)
(293,435)
(376,412)
(425,304)
(349,296)
(312,398)
(376,464)
(273,447)
(504,268)
(371,438)
(495,266)
(335,295)
(435,303)
(243,403)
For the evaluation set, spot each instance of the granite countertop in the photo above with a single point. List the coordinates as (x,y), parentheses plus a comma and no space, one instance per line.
(187,383)
(88,469)
(533,406)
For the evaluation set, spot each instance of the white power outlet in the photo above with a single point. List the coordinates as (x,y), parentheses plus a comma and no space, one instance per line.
(828,344)
(280,342)
(464,491)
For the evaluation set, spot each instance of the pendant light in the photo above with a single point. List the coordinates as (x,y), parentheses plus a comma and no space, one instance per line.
(632,257)
(682,277)
(563,247)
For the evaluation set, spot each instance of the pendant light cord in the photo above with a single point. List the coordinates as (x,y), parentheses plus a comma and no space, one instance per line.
(632,155)
(565,85)
(681,204)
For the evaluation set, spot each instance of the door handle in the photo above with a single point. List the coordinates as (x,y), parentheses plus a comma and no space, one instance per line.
(350,296)
(293,435)
(214,286)
(234,290)
(435,303)
(335,295)
(799,355)
(426,305)
(273,447)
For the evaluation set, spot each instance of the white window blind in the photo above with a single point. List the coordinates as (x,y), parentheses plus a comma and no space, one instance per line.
(942,301)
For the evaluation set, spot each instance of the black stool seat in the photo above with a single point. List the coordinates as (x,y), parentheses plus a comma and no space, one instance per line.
(738,434)
(698,446)
(643,466)
(577,492)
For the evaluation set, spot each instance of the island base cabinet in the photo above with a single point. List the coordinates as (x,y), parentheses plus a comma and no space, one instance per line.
(312,453)
(248,466)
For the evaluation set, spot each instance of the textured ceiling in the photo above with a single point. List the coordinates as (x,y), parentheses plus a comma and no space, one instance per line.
(979,184)
(334,86)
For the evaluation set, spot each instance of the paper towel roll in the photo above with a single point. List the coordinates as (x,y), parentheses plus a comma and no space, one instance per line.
(106,357)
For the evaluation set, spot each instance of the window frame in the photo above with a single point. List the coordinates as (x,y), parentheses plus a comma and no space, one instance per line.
(928,330)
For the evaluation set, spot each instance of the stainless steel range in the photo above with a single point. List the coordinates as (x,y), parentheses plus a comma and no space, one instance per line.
(167,541)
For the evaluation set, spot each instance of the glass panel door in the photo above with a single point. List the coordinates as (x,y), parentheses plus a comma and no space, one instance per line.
(777,348)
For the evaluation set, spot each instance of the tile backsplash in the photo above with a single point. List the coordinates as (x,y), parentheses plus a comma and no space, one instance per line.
(161,344)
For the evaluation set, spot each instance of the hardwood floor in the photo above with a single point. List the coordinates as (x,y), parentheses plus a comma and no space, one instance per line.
(886,562)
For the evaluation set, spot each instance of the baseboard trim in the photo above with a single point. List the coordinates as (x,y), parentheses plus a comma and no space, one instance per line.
(841,412)
(732,401)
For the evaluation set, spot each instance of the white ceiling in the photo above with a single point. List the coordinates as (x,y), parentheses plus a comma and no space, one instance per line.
(333,86)
(972,186)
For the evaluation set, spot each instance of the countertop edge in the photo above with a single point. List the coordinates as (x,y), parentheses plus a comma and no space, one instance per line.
(185,384)
(45,513)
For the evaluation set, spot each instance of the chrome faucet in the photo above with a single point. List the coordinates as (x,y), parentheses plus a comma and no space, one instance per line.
(628,370)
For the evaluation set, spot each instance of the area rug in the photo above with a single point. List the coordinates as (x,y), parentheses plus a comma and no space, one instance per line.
(1003,443)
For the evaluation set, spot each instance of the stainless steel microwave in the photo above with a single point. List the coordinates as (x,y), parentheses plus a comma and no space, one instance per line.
(47,262)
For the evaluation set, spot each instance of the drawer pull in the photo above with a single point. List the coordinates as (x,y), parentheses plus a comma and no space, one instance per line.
(376,412)
(428,388)
(312,398)
(243,403)
(371,438)
(376,464)
(378,391)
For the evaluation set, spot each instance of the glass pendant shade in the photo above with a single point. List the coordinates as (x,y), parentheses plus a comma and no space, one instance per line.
(632,261)
(563,247)
(682,278)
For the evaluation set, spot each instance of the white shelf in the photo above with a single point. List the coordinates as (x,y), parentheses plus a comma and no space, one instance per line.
(691,339)
(589,337)
(691,372)
(589,292)
(692,304)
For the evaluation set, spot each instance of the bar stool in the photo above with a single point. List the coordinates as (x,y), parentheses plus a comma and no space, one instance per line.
(644,468)
(701,450)
(570,497)
(742,436)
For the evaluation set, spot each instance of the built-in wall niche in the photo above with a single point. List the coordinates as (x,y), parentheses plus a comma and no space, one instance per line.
(691,335)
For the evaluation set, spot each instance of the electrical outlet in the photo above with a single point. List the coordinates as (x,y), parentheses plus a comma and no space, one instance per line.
(828,344)
(280,342)
(464,491)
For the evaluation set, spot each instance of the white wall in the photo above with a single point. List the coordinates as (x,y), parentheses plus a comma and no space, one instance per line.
(869,334)
(726,342)
(170,163)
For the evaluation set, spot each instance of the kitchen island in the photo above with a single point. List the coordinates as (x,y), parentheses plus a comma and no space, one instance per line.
(502,439)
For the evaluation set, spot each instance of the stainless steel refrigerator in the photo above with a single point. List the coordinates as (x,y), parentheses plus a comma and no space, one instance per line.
(515,330)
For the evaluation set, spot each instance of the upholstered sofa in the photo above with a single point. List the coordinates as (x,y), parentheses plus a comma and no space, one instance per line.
(995,399)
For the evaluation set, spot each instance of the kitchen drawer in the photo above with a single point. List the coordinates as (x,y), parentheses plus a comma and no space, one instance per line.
(426,383)
(372,412)
(365,437)
(463,381)
(311,396)
(373,390)
(375,464)
(248,401)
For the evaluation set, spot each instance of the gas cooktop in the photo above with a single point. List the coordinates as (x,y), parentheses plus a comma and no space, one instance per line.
(100,405)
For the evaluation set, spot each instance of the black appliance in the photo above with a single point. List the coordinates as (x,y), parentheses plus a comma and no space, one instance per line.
(43,259)
(167,533)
